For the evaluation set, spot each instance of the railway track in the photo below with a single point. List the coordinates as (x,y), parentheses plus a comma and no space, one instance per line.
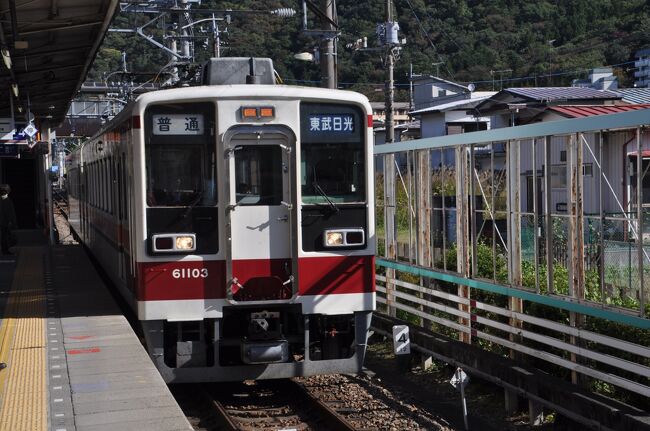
(330,402)
(271,405)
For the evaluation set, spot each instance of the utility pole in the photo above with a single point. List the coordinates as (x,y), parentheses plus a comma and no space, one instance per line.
(328,58)
(328,35)
(390,64)
(181,30)
(388,40)
(437,66)
(411,104)
(500,72)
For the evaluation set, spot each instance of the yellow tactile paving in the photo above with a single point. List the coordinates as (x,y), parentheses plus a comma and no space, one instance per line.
(23,391)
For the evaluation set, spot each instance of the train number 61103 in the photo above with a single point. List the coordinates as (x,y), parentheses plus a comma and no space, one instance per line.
(190,273)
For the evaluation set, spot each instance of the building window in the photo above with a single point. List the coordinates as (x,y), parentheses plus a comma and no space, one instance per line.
(558,176)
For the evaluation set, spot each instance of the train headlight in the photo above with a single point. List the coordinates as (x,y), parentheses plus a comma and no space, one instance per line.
(173,243)
(185,242)
(348,237)
(333,239)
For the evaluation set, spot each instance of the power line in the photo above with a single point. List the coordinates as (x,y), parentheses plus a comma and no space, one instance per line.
(426,35)
(486,81)
(441,28)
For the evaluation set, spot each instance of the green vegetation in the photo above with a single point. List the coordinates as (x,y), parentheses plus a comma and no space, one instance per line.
(471,37)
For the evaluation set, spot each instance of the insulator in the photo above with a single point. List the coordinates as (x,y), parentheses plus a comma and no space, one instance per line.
(284,12)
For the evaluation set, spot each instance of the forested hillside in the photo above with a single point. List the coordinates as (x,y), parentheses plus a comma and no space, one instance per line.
(467,38)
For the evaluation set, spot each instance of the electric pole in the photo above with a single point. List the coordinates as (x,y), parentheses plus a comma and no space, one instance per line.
(411,104)
(328,58)
(390,44)
(390,64)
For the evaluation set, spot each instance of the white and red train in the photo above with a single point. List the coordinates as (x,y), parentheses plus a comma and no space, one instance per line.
(238,222)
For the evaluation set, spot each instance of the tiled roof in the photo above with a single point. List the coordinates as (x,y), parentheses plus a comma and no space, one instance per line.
(635,95)
(548,94)
(577,111)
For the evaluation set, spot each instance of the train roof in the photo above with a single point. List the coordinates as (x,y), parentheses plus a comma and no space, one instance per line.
(235,91)
(244,91)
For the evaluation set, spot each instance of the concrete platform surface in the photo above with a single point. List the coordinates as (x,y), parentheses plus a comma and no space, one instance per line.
(87,369)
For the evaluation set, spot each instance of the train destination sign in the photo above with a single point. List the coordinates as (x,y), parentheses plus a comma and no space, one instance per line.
(331,123)
(178,124)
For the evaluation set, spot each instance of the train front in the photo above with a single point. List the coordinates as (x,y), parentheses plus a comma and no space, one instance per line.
(256,219)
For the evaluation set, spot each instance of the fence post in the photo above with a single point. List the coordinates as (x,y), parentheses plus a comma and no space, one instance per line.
(513,168)
(576,237)
(639,212)
(390,201)
(462,234)
(548,220)
(423,228)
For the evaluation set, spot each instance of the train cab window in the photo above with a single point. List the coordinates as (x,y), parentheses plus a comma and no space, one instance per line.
(258,175)
(332,154)
(180,156)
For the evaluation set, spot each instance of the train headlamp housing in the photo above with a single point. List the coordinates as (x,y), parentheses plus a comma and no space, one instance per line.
(173,243)
(347,237)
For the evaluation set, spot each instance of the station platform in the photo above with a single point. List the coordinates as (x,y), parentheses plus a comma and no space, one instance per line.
(72,361)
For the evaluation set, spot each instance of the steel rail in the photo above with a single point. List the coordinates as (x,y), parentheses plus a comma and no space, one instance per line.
(332,419)
(326,415)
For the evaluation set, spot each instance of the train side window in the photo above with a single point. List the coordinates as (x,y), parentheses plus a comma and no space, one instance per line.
(123,203)
(95,184)
(106,186)
(101,183)
(91,181)
(98,195)
(95,178)
(111,188)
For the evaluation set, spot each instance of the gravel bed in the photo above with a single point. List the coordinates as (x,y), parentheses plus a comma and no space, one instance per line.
(368,404)
(431,391)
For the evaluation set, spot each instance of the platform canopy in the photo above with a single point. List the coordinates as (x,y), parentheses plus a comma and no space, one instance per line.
(47,48)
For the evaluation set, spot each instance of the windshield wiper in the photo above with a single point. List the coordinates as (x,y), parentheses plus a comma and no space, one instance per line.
(321,192)
(194,203)
(187,210)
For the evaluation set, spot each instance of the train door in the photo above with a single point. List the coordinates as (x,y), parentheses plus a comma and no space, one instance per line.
(261,214)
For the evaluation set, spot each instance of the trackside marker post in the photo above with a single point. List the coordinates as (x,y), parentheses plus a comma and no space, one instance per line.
(459,380)
(402,347)
(401,340)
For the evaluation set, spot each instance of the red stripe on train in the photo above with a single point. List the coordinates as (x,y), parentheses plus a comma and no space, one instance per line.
(207,279)
(336,274)
(160,281)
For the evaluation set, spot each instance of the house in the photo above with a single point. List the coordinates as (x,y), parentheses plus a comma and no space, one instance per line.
(601,78)
(403,132)
(516,106)
(618,163)
(431,90)
(400,112)
(453,117)
(642,65)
